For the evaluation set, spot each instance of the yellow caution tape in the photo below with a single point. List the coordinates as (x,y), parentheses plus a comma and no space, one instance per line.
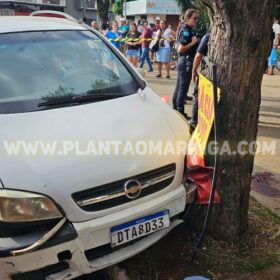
(135,40)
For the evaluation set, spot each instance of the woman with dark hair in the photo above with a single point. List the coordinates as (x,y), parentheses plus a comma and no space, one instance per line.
(188,43)
(104,28)
(133,43)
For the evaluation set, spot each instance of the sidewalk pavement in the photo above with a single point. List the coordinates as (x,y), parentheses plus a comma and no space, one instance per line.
(266,179)
(266,174)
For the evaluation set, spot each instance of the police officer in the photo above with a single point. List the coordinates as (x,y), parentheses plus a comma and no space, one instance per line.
(202,51)
(188,42)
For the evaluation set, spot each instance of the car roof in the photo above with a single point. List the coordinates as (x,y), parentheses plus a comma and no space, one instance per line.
(10,24)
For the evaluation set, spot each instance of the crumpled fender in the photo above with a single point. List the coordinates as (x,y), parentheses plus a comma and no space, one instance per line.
(202,177)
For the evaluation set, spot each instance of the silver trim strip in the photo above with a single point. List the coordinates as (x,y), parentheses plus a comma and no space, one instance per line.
(145,185)
(41,241)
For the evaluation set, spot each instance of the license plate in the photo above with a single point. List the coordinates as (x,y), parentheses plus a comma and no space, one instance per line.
(138,228)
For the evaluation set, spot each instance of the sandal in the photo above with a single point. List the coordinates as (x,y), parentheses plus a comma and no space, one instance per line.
(158,76)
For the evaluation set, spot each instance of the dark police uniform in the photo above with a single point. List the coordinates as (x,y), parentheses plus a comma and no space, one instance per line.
(202,49)
(184,67)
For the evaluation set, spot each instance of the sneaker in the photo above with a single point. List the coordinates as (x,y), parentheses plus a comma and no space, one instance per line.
(192,123)
(150,70)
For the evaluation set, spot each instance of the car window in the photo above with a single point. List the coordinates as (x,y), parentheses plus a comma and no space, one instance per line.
(43,66)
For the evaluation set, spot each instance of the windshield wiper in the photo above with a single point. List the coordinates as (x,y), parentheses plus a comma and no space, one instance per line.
(90,97)
(56,102)
(78,99)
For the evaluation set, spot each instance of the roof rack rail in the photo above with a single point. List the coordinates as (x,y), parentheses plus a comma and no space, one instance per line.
(50,13)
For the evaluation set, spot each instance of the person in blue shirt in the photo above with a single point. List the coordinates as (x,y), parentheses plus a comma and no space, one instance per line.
(186,50)
(123,29)
(115,36)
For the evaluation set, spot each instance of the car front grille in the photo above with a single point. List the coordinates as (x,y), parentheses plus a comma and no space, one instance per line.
(113,194)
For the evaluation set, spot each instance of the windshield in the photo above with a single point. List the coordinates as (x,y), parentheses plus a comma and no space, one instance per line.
(39,68)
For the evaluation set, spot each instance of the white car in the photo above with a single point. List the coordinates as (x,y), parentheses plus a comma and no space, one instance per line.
(66,209)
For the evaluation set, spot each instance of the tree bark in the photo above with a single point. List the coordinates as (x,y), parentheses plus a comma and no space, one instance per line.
(103,10)
(239,45)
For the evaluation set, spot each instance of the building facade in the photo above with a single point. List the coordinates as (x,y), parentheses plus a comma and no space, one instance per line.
(76,8)
(15,7)
(150,9)
(80,8)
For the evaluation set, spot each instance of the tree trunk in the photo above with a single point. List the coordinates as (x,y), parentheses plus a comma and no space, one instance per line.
(239,45)
(103,10)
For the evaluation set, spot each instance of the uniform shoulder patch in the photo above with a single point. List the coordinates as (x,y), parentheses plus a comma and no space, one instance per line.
(186,33)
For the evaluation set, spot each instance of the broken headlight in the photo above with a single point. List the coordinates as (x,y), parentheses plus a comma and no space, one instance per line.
(18,206)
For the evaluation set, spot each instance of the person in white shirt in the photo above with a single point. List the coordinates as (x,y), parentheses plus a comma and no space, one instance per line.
(276,31)
(272,61)
(163,53)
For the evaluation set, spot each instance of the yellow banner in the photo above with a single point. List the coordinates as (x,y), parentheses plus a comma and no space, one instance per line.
(198,142)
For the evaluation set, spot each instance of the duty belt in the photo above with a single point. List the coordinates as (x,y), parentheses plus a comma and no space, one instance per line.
(186,56)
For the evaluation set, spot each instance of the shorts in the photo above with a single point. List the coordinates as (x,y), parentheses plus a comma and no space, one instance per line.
(133,53)
(163,55)
(272,60)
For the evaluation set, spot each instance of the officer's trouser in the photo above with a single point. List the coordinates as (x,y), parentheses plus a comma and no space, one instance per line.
(195,105)
(195,94)
(184,76)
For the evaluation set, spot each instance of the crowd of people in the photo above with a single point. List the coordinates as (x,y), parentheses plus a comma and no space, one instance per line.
(143,42)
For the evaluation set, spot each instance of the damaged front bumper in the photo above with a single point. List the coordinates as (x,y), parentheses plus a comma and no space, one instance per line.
(82,248)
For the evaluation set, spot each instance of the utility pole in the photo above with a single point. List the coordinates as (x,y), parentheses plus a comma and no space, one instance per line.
(125,9)
(84,7)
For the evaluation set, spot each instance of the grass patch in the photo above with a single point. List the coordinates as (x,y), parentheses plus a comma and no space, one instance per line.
(259,210)
(169,259)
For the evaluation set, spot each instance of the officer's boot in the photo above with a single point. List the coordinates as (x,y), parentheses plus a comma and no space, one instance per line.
(182,111)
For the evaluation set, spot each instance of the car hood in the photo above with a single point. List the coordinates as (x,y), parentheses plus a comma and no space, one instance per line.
(141,117)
